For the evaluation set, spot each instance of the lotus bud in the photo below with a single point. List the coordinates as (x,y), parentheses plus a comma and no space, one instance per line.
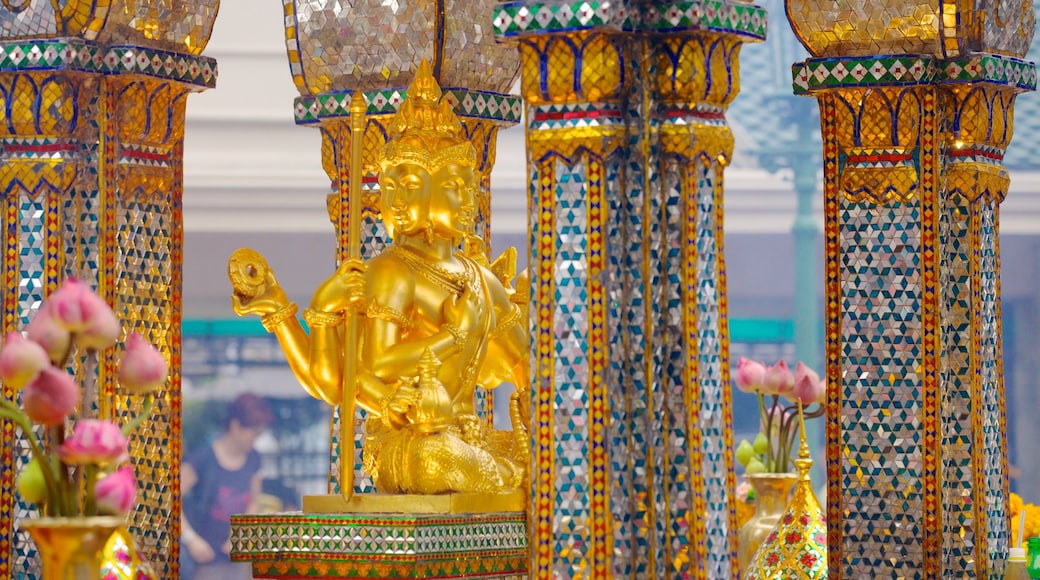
(66,304)
(116,493)
(50,397)
(95,441)
(143,367)
(21,360)
(778,380)
(755,466)
(808,388)
(745,452)
(103,327)
(31,484)
(761,444)
(750,374)
(45,331)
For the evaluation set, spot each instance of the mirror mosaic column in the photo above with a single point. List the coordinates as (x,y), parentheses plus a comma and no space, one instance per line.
(91,170)
(330,57)
(631,416)
(916,103)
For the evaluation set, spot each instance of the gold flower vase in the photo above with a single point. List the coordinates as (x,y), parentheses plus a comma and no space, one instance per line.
(71,548)
(772,491)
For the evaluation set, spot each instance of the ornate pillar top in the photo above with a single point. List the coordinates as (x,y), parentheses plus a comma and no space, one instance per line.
(939,28)
(182,26)
(378,44)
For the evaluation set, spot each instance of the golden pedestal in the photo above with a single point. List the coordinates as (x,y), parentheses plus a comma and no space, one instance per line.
(490,546)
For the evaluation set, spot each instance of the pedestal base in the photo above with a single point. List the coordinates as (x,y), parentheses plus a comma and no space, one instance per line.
(490,546)
(449,503)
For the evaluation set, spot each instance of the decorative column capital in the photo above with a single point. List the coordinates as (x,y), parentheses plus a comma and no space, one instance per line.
(939,28)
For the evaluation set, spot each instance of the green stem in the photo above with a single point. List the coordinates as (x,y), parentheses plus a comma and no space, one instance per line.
(149,403)
(7,409)
(90,476)
(68,506)
(771,456)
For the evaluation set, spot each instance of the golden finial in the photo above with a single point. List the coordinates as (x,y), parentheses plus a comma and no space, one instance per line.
(797,548)
(426,131)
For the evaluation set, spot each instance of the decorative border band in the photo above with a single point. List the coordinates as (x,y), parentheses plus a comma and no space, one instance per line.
(79,55)
(498,107)
(902,70)
(512,19)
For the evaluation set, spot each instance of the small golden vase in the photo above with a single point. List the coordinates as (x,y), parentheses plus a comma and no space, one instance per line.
(71,548)
(772,491)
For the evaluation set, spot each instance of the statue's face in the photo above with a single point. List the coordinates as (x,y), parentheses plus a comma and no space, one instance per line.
(453,200)
(405,193)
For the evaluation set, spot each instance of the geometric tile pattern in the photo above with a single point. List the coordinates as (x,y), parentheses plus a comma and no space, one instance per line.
(845,72)
(24,268)
(993,438)
(145,293)
(714,414)
(526,17)
(638,456)
(959,527)
(74,55)
(882,355)
(572,509)
(295,545)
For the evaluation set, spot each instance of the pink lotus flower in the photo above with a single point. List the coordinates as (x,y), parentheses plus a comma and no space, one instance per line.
(21,360)
(778,380)
(79,310)
(143,367)
(750,374)
(47,332)
(50,397)
(808,388)
(95,441)
(116,493)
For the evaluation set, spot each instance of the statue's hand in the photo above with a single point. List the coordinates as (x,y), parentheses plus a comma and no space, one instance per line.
(271,299)
(462,312)
(254,287)
(343,289)
(396,407)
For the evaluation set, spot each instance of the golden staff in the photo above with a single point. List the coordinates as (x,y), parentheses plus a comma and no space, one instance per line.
(348,404)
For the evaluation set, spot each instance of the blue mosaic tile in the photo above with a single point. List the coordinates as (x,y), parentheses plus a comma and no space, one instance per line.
(882,474)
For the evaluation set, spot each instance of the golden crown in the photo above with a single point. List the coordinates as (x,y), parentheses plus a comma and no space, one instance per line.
(425,131)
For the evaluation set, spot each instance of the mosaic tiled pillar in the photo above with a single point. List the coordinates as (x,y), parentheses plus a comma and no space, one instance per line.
(627,141)
(916,451)
(91,150)
(330,58)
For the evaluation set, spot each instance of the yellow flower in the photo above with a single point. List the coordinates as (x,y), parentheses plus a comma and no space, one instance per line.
(1031,513)
(1016,503)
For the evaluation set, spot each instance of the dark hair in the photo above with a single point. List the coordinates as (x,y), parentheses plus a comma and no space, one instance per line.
(250,411)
